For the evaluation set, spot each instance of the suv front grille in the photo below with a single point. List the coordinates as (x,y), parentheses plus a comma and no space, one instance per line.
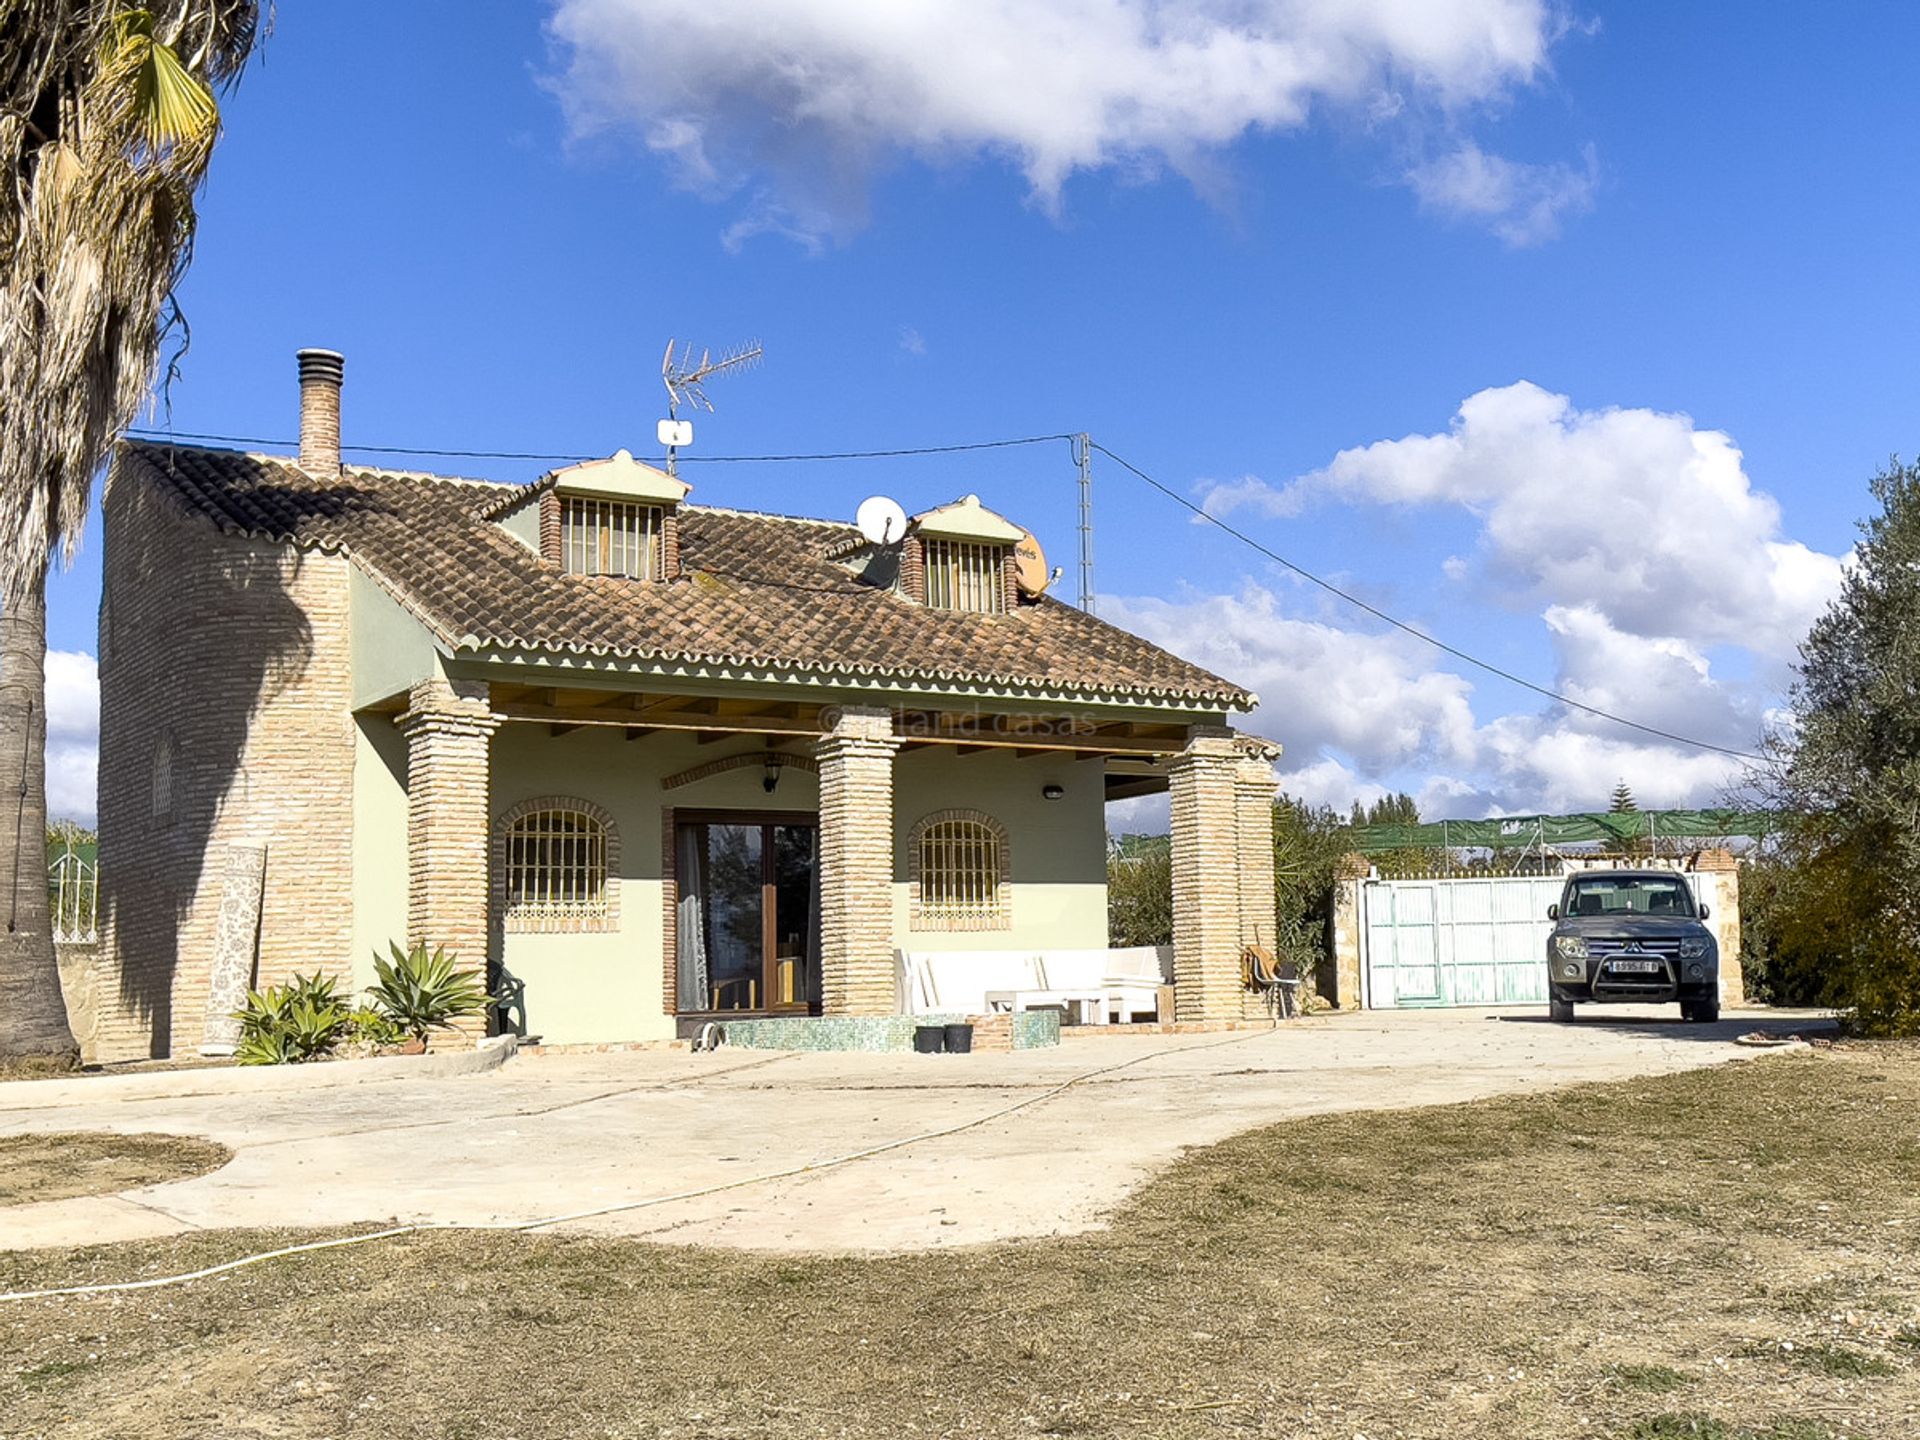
(1659,948)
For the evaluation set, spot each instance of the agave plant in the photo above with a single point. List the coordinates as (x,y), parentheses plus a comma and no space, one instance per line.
(421,990)
(286,1024)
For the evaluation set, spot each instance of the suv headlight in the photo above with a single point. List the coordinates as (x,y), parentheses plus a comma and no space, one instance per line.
(1693,947)
(1570,947)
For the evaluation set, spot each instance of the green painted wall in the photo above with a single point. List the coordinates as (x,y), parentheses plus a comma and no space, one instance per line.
(523,523)
(391,649)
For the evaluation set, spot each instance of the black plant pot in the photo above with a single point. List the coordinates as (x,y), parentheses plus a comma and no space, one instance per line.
(929,1039)
(959,1039)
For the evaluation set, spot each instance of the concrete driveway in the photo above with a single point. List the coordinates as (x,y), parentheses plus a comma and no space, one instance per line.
(559,1134)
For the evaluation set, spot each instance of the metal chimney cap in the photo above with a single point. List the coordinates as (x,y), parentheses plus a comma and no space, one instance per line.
(321,365)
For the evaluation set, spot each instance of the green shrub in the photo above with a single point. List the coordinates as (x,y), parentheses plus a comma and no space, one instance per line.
(368,1026)
(291,1023)
(420,992)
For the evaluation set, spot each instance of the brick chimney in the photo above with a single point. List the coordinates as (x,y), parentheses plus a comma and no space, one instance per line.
(321,373)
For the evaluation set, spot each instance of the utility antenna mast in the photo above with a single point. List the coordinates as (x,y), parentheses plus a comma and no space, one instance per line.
(686,378)
(1083,457)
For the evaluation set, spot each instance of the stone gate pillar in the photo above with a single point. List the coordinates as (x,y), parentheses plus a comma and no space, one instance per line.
(856,864)
(448,725)
(1724,866)
(1205,794)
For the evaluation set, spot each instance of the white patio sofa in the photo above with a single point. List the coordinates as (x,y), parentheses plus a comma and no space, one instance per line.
(1093,985)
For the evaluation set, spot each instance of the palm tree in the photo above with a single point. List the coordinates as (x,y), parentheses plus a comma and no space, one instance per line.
(107,122)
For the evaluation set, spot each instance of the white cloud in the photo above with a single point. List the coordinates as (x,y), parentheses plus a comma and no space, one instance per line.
(73,735)
(1362,714)
(912,342)
(1369,697)
(815,96)
(1523,204)
(1634,513)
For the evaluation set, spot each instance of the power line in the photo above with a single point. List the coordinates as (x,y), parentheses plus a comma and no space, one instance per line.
(975,445)
(1414,630)
(163,437)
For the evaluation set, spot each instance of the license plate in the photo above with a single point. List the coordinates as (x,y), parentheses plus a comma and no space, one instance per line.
(1636,967)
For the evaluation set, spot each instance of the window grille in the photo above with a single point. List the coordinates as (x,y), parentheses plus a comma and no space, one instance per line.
(961,874)
(611,537)
(963,575)
(554,866)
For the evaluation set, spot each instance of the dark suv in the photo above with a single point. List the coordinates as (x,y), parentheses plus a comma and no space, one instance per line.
(1631,937)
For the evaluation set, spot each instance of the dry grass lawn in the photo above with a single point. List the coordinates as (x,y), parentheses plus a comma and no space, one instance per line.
(59,1167)
(1731,1254)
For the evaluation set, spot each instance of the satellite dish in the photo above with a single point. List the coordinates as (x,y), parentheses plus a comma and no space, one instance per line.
(881,520)
(1030,566)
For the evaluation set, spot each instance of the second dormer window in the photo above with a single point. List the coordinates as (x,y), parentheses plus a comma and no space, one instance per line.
(965,575)
(611,537)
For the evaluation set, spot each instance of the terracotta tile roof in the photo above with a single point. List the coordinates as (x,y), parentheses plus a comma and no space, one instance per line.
(759,589)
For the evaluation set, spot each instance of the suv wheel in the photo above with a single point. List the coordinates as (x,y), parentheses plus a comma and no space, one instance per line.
(1700,1012)
(1560,1010)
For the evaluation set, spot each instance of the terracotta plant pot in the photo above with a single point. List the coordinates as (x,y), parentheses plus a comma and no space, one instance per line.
(413,1045)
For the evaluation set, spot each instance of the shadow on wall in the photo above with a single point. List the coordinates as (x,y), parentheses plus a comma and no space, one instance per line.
(200,632)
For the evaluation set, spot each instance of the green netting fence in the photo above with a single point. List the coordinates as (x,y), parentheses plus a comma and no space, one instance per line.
(1515,832)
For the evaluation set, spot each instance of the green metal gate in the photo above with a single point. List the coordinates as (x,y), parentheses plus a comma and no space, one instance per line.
(1458,942)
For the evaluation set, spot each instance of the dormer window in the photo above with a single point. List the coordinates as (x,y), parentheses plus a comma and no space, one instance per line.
(613,517)
(611,537)
(965,575)
(960,557)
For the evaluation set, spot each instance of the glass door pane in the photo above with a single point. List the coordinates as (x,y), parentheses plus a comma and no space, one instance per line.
(734,916)
(795,978)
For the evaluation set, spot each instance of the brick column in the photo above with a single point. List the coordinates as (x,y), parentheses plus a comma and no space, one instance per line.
(448,725)
(1204,784)
(1725,920)
(856,864)
(1254,789)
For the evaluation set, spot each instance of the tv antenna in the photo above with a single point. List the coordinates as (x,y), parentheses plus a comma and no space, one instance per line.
(686,379)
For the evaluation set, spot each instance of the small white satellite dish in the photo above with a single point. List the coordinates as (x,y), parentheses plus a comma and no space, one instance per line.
(675,434)
(881,520)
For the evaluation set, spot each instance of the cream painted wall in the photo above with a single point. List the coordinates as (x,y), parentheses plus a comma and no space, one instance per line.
(1059,846)
(379,842)
(592,989)
(608,987)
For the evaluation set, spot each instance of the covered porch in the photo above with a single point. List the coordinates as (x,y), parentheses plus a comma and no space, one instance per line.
(770,838)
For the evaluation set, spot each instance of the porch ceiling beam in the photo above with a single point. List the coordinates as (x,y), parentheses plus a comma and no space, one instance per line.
(559,729)
(714,737)
(970,742)
(661,720)
(640,732)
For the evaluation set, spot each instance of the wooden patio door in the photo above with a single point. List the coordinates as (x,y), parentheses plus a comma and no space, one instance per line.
(748,941)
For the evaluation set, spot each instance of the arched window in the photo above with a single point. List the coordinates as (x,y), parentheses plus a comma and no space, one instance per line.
(552,859)
(957,872)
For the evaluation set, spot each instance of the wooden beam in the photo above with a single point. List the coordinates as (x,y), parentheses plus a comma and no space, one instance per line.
(640,732)
(714,737)
(663,720)
(556,729)
(1032,754)
(967,749)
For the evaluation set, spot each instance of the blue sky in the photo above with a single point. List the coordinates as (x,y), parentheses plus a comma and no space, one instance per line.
(1670,255)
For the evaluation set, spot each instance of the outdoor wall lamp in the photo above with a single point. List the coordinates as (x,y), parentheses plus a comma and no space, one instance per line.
(1052,792)
(773,775)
